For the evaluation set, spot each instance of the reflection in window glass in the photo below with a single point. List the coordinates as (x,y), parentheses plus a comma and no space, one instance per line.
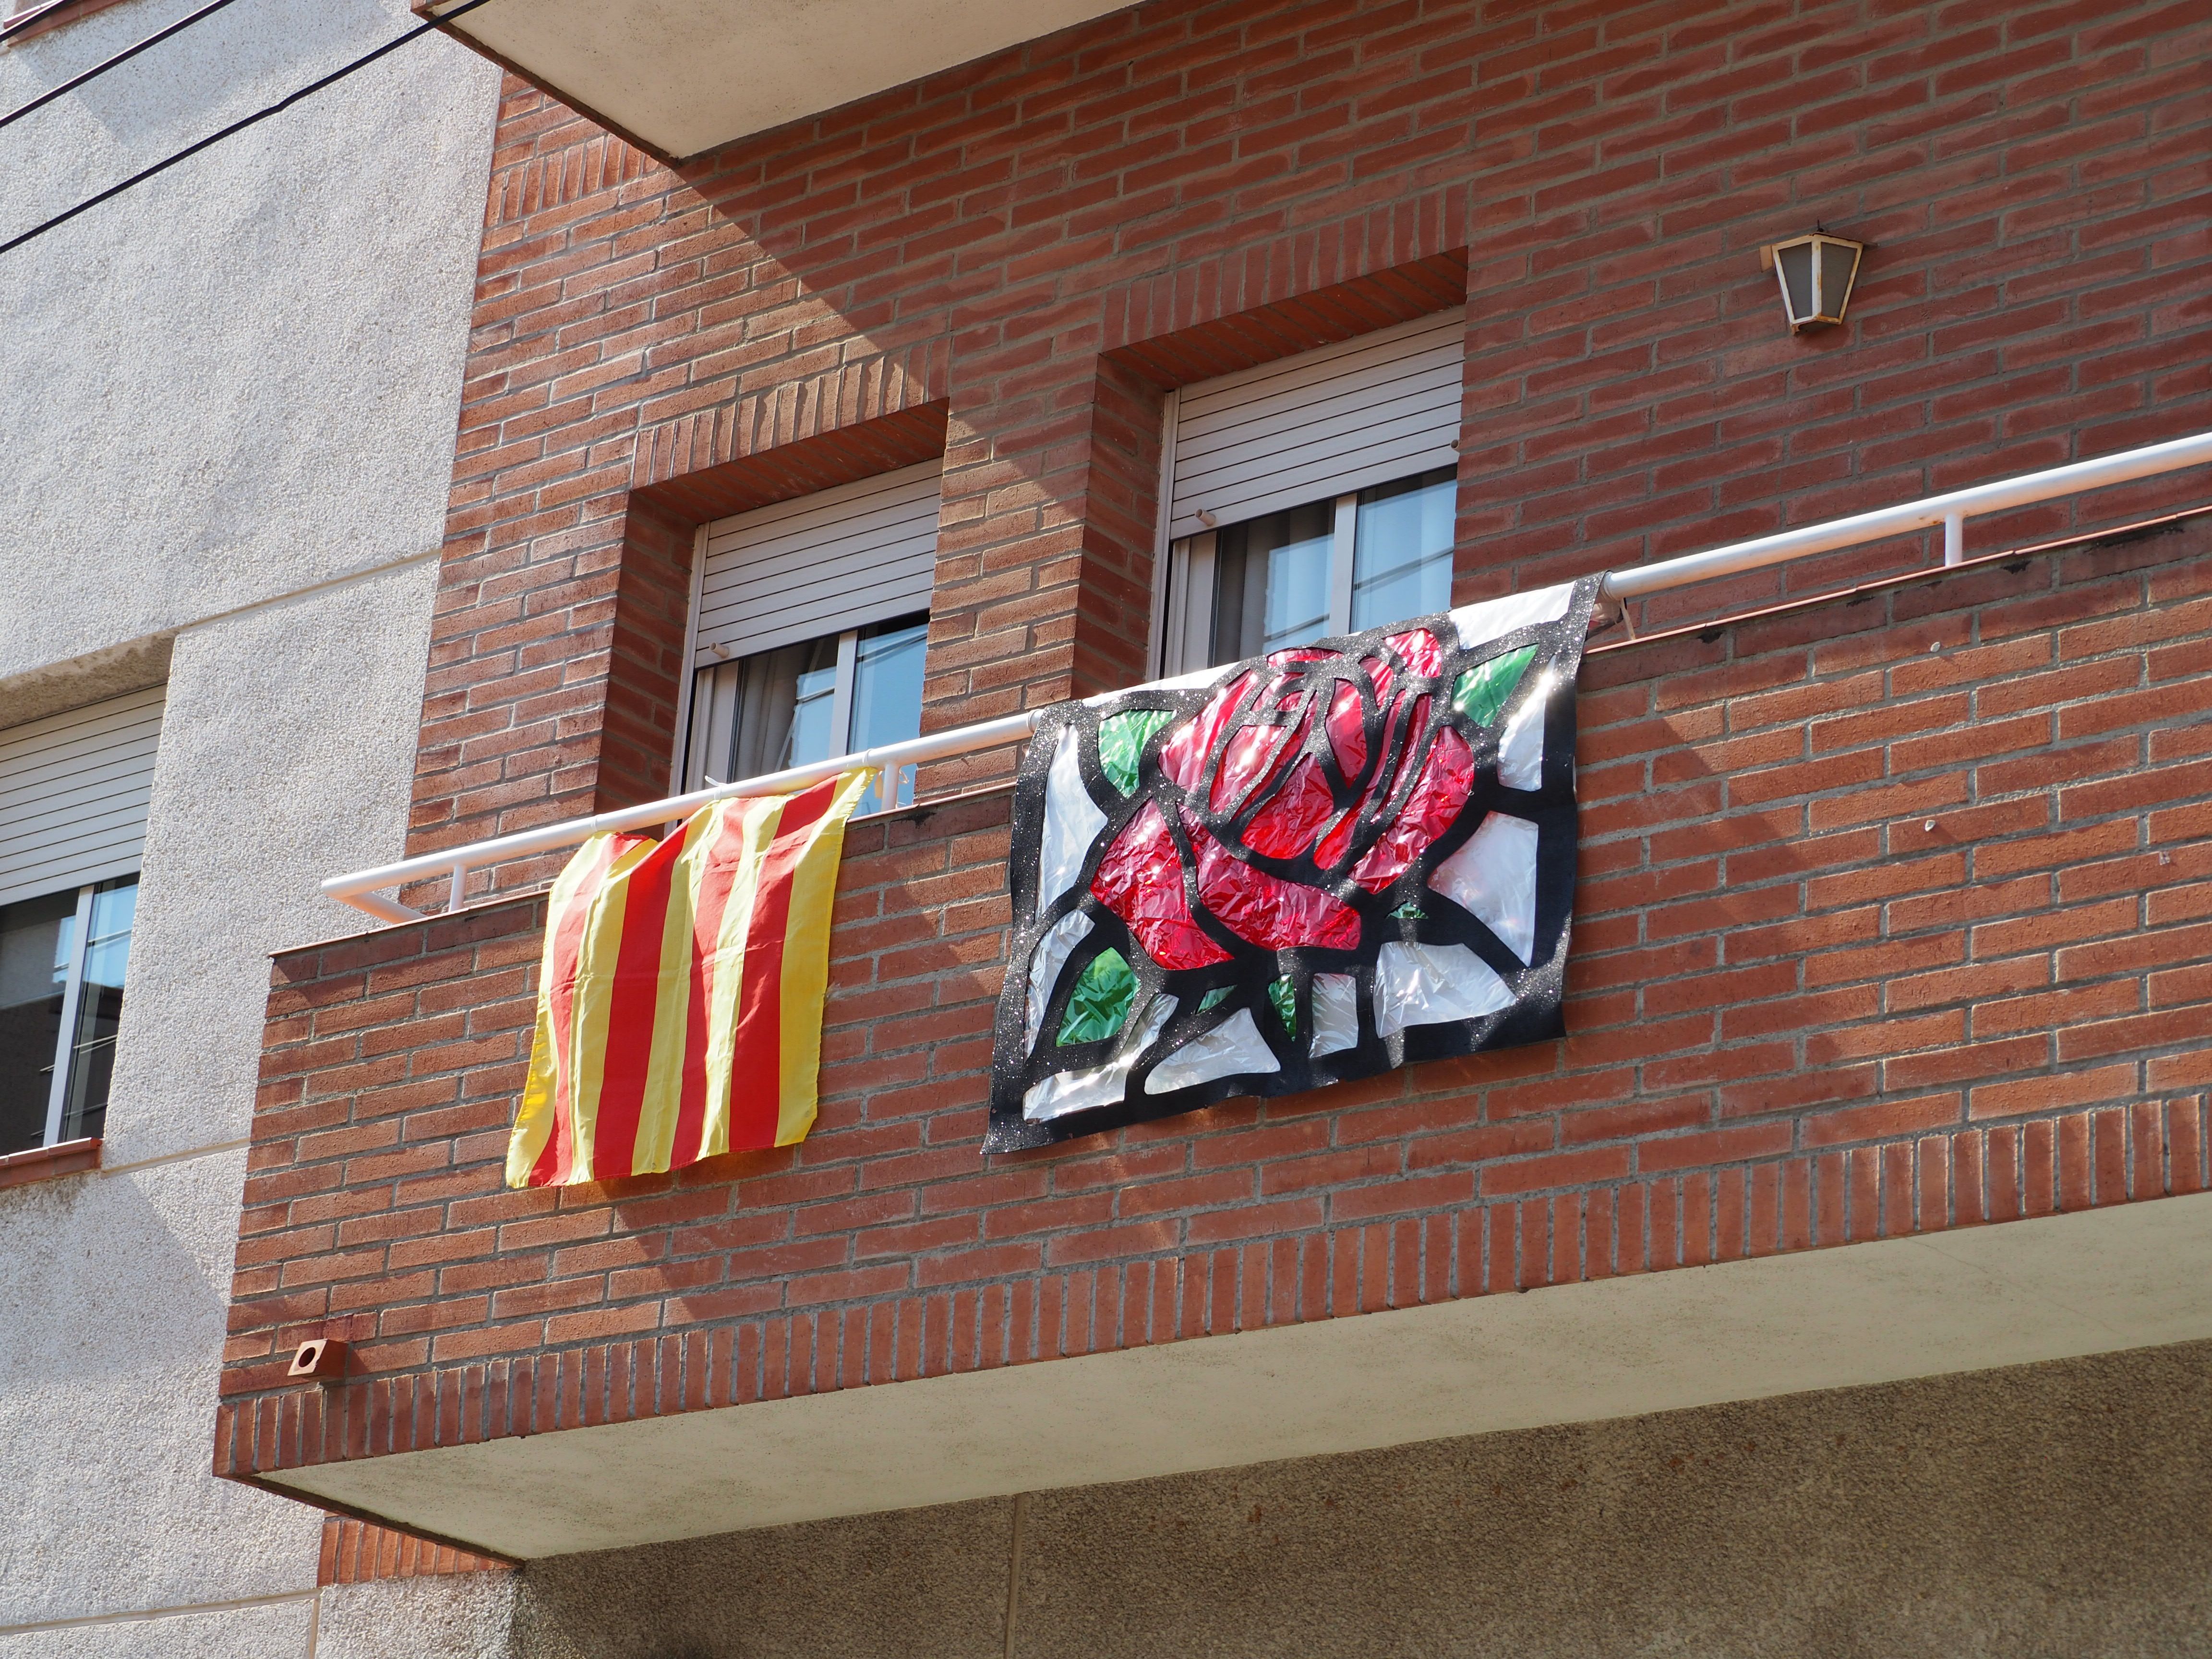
(99,1008)
(35,941)
(787,705)
(45,981)
(813,701)
(887,696)
(1402,562)
(1270,582)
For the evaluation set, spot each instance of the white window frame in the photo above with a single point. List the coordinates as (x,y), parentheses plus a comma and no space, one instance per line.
(1186,635)
(67,1049)
(717,720)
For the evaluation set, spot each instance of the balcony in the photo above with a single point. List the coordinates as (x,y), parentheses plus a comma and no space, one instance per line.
(685,75)
(1889,926)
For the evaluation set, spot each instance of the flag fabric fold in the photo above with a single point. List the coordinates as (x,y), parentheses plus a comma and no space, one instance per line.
(679,1002)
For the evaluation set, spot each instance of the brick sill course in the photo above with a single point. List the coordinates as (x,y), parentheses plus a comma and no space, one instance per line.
(67,1158)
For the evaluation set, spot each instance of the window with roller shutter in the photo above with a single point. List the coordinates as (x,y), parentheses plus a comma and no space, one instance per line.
(1313,495)
(74,790)
(813,615)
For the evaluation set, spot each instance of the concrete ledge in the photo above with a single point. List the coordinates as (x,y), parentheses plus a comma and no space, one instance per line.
(2135,1275)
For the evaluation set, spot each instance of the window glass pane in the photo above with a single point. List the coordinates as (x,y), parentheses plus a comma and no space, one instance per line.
(786,699)
(35,941)
(887,695)
(99,1008)
(1270,582)
(1402,558)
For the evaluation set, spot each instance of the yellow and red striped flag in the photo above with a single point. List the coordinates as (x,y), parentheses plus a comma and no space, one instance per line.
(679,1005)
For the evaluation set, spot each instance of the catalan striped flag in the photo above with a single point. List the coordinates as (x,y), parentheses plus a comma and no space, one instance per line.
(679,1005)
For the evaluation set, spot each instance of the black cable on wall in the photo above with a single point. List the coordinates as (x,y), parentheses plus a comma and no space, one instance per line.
(237,126)
(122,57)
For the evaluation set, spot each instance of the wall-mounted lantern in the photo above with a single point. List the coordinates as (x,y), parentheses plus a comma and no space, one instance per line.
(1816,272)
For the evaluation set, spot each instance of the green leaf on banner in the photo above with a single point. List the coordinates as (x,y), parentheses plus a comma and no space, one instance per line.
(1121,740)
(1215,998)
(1284,996)
(1481,693)
(1409,912)
(1098,1007)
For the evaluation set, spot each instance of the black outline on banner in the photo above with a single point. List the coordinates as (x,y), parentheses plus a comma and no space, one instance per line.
(1534,1015)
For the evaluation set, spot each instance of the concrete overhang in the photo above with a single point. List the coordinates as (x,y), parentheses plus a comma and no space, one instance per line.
(680,76)
(2135,1275)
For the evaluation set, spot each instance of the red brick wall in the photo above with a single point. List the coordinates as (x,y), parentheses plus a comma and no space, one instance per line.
(1893,917)
(1031,246)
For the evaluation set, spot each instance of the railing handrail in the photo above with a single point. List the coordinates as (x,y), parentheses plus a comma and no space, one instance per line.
(1950,510)
(358,889)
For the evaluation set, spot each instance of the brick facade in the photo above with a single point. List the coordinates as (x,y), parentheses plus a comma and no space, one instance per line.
(1014,258)
(1892,918)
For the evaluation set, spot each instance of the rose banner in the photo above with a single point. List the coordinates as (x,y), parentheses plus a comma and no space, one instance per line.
(1293,870)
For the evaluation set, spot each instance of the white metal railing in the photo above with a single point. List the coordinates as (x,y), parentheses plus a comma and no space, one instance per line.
(359,889)
(1951,511)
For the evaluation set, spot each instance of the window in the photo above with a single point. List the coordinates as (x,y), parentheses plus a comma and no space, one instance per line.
(812,701)
(813,621)
(73,794)
(1313,495)
(61,960)
(1364,559)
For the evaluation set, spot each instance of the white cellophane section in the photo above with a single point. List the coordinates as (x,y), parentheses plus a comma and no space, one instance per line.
(1433,985)
(1046,962)
(1071,823)
(1520,750)
(1231,1048)
(1100,1085)
(1493,877)
(1478,624)
(1335,1013)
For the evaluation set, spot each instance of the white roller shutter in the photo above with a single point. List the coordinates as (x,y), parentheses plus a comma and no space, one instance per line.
(73,792)
(1303,429)
(841,558)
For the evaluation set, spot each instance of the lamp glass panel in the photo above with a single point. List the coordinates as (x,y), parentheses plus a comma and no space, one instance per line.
(1795,261)
(1838,263)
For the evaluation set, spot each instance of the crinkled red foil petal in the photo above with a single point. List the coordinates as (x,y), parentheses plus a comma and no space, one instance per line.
(1140,880)
(1418,650)
(1402,734)
(1271,912)
(1182,757)
(1297,813)
(1336,848)
(1251,754)
(1438,795)
(1336,844)
(1347,735)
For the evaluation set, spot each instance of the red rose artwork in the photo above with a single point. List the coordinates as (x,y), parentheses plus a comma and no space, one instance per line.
(1293,870)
